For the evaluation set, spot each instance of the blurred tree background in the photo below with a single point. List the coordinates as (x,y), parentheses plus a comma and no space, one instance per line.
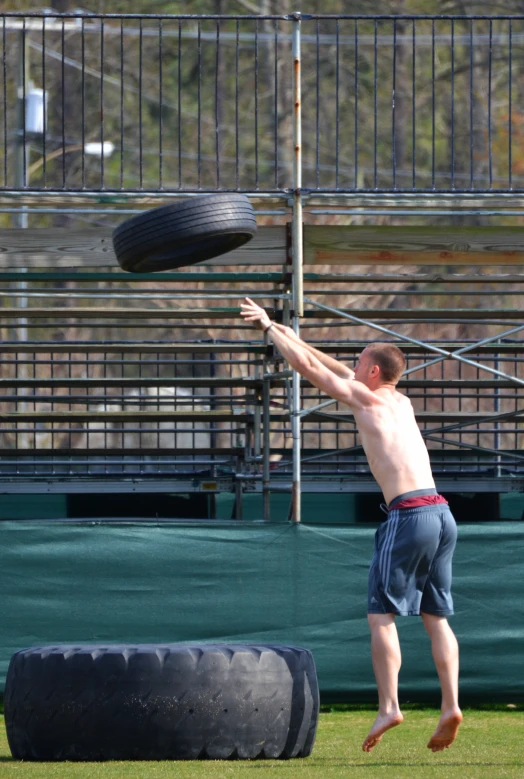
(197,104)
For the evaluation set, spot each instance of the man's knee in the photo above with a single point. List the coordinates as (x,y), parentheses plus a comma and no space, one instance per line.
(380,620)
(433,621)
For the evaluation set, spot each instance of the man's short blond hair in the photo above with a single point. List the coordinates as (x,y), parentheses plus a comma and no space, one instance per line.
(389,359)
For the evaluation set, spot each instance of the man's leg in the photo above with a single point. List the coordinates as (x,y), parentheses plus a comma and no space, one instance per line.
(385,653)
(445,652)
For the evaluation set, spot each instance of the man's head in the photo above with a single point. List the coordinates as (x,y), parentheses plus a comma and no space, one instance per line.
(380,364)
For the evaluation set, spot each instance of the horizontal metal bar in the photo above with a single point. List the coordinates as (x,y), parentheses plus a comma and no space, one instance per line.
(465,417)
(351,348)
(125,416)
(462,418)
(27,194)
(234,313)
(103,211)
(412,192)
(230,276)
(223,400)
(145,294)
(457,384)
(408,17)
(140,483)
(157,402)
(410,278)
(453,314)
(35,431)
(485,212)
(130,451)
(119,313)
(114,463)
(131,347)
(217,294)
(124,322)
(361,484)
(109,362)
(107,382)
(92,15)
(415,293)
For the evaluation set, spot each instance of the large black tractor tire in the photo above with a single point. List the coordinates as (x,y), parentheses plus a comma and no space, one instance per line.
(186,233)
(165,702)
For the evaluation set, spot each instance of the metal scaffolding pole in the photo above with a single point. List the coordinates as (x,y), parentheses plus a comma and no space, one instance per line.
(266,440)
(297,251)
(20,219)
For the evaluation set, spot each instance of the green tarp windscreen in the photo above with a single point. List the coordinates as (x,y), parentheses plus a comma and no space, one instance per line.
(147,582)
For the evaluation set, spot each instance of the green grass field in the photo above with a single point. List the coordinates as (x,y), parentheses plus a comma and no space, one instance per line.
(490,745)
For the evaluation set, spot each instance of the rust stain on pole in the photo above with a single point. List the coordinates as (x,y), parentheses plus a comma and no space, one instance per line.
(294,501)
(297,102)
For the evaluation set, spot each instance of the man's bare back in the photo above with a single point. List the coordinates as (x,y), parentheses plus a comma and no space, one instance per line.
(394,447)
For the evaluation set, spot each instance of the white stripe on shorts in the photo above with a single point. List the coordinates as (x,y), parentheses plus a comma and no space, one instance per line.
(385,556)
(389,528)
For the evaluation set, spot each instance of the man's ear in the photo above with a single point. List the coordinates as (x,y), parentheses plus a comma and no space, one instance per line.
(375,370)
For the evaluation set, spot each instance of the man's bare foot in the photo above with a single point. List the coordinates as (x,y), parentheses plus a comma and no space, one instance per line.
(446,731)
(382,723)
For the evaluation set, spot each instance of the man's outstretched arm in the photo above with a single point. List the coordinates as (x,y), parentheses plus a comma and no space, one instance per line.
(251,308)
(307,364)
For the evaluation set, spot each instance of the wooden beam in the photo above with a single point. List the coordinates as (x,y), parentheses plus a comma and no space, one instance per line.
(55,248)
(384,245)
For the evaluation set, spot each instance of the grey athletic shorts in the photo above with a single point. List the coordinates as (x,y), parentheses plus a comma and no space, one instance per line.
(411,567)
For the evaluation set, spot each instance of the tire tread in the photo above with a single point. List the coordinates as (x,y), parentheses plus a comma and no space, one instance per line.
(182,234)
(57,708)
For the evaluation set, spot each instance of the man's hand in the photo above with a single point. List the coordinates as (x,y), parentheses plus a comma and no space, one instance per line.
(255,314)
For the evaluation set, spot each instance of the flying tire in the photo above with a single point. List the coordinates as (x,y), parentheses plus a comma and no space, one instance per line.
(185,233)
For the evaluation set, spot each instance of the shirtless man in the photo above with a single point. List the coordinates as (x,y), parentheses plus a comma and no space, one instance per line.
(410,573)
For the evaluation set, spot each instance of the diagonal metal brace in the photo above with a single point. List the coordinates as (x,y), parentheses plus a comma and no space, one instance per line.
(458,425)
(312,409)
(463,445)
(469,348)
(408,339)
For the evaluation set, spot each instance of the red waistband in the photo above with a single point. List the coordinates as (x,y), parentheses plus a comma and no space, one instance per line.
(423,500)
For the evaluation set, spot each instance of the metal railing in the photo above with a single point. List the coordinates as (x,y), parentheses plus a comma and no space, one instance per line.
(404,104)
